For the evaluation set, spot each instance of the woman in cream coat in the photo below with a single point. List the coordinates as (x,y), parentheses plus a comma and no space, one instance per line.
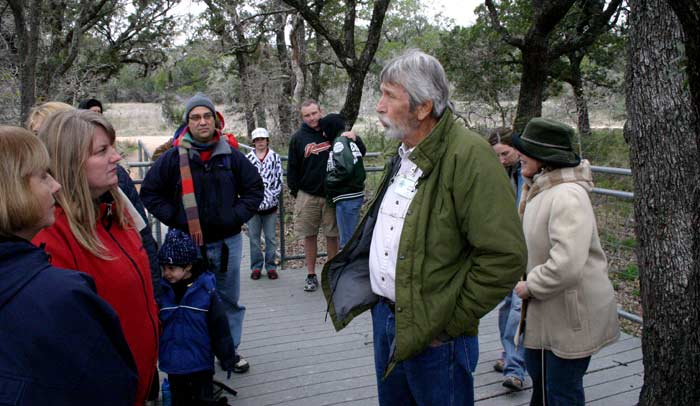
(571,311)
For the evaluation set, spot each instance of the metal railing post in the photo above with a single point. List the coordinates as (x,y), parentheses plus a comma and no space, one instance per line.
(283,251)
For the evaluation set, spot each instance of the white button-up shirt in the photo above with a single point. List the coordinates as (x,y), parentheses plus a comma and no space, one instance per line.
(386,236)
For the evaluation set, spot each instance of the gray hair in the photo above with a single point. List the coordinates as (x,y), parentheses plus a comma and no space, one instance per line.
(423,78)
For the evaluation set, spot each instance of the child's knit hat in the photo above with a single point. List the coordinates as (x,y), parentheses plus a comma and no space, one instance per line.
(178,249)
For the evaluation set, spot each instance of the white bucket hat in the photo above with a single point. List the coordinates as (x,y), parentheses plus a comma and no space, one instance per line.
(259,133)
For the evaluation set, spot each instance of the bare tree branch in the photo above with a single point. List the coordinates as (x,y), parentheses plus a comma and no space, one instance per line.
(517,42)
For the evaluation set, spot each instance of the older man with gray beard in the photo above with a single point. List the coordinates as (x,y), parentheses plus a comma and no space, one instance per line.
(439,247)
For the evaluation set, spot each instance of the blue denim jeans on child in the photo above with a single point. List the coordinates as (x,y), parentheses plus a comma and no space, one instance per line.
(437,376)
(347,215)
(265,223)
(228,281)
(563,378)
(508,320)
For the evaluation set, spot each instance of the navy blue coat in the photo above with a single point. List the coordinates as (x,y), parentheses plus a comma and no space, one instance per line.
(227,187)
(60,343)
(195,329)
(127,186)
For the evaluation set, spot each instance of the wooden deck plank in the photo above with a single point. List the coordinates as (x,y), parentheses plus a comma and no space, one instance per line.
(297,358)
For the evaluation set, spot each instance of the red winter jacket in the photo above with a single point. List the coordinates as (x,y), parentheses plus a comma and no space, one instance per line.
(124,282)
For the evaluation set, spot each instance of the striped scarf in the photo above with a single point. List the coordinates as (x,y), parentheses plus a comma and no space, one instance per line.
(189,199)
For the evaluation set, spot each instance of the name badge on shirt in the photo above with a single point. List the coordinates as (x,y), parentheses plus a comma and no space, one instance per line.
(405,187)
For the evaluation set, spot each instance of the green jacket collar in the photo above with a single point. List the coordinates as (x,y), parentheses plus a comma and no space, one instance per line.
(428,152)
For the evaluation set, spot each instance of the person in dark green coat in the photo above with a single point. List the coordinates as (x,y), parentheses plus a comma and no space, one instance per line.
(440,246)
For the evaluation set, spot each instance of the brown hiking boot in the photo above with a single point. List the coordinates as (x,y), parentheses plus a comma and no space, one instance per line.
(513,383)
(499,366)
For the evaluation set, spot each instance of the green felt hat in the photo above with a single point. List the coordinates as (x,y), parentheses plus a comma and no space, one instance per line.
(548,141)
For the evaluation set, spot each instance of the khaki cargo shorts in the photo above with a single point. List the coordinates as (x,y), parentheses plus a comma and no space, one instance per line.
(312,212)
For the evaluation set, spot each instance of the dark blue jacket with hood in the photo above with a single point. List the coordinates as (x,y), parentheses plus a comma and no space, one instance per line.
(60,343)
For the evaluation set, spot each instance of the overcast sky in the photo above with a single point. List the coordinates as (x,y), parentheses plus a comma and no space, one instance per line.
(462,11)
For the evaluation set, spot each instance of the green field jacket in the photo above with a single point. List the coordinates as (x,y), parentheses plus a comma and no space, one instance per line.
(461,251)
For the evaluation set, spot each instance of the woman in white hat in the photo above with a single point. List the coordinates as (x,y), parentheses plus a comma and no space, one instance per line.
(269,165)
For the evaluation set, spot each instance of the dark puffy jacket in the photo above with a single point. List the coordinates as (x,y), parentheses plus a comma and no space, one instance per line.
(61,344)
(346,173)
(195,329)
(127,186)
(345,177)
(228,190)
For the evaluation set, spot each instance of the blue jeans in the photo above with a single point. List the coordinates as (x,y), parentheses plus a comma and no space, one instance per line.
(563,378)
(438,376)
(256,224)
(347,215)
(508,320)
(228,282)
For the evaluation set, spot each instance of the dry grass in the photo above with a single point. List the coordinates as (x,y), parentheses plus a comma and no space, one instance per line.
(137,119)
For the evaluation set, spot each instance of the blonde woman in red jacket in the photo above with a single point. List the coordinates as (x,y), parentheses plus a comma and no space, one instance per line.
(96,232)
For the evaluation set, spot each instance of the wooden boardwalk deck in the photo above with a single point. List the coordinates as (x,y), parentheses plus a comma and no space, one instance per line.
(298,359)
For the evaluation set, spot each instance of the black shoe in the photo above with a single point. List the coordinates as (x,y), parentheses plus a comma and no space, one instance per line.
(311,283)
(242,366)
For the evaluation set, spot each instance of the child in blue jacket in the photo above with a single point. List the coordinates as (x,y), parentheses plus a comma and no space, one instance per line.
(194,324)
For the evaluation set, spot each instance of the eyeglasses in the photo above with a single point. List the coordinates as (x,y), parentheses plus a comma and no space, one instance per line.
(197,117)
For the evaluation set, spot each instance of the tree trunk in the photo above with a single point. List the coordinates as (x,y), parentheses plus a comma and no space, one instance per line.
(245,96)
(344,46)
(353,97)
(576,82)
(315,70)
(260,115)
(532,85)
(664,158)
(688,12)
(584,125)
(297,37)
(243,67)
(27,21)
(284,106)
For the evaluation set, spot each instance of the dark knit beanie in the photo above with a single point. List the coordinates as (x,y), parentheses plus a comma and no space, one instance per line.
(332,125)
(178,249)
(199,99)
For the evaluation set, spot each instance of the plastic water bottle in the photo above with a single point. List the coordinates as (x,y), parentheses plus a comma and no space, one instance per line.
(165,392)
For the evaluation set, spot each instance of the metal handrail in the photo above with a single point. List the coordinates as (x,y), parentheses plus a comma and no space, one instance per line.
(611,170)
(283,257)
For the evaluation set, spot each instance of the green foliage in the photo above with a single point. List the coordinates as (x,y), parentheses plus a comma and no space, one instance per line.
(131,85)
(631,273)
(407,26)
(172,111)
(113,35)
(482,68)
(606,147)
(555,39)
(186,74)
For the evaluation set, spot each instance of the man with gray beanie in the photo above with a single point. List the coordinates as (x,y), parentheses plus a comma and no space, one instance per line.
(208,189)
(440,246)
